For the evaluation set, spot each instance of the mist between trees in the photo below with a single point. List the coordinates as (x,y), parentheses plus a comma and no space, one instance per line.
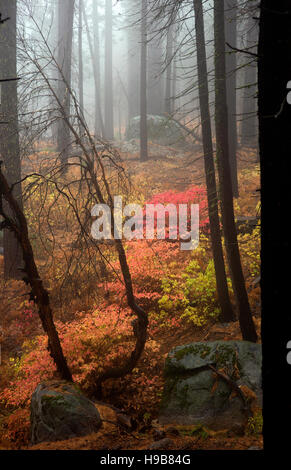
(85,70)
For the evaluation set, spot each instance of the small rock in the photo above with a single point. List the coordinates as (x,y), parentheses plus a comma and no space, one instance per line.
(254,448)
(162,444)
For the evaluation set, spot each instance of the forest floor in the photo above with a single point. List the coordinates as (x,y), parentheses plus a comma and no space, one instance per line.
(167,169)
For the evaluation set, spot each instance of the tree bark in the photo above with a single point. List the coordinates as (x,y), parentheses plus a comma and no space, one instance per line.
(155,82)
(169,56)
(143,85)
(133,38)
(222,153)
(81,71)
(96,73)
(221,281)
(65,22)
(9,135)
(109,127)
(18,226)
(98,126)
(249,126)
(231,79)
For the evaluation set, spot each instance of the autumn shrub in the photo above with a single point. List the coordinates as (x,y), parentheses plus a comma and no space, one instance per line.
(249,245)
(16,427)
(255,424)
(192,294)
(193,195)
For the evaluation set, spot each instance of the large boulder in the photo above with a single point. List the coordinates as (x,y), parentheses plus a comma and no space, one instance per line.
(161,129)
(59,411)
(194,394)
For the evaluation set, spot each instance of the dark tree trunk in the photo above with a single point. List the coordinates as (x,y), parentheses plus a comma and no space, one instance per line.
(9,137)
(65,22)
(221,281)
(18,226)
(231,78)
(109,129)
(274,72)
(143,85)
(222,150)
(249,126)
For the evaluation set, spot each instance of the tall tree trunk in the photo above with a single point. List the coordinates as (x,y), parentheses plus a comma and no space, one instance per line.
(169,56)
(109,128)
(65,21)
(96,73)
(143,85)
(133,38)
(274,72)
(155,84)
(222,150)
(81,71)
(221,281)
(98,116)
(9,136)
(249,126)
(231,76)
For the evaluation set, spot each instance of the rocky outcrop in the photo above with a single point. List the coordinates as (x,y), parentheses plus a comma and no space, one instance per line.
(60,411)
(195,394)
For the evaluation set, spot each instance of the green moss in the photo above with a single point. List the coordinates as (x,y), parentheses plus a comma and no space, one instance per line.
(200,349)
(52,400)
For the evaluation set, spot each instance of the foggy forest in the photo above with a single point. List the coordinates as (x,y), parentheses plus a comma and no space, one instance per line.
(132,134)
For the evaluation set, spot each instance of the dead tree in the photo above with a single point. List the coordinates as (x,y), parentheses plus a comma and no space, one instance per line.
(18,226)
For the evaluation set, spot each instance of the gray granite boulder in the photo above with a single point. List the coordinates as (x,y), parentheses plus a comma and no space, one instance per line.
(194,394)
(60,411)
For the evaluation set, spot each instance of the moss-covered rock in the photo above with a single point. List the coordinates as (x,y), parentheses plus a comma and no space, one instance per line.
(194,394)
(60,411)
(161,129)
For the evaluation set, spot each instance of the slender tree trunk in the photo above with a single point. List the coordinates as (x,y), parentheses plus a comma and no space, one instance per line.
(169,55)
(221,281)
(96,75)
(98,116)
(9,136)
(229,228)
(249,126)
(133,38)
(65,21)
(143,85)
(109,128)
(231,78)
(155,62)
(81,71)
(274,72)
